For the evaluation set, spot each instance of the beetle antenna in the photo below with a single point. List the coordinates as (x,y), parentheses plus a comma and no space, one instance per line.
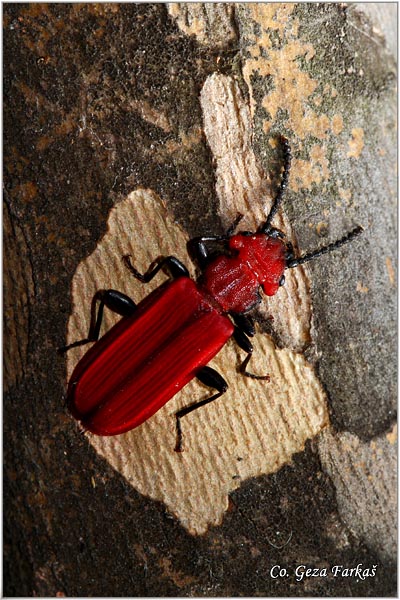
(300,260)
(287,157)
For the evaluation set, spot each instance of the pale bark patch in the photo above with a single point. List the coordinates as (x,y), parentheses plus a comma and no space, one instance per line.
(254,429)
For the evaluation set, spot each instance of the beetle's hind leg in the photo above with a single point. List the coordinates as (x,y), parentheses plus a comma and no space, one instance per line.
(212,379)
(244,343)
(112,299)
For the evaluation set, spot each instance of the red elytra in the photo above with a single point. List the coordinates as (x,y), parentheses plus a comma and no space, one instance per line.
(169,338)
(145,359)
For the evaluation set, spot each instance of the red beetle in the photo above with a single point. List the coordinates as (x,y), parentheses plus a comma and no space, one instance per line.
(168,338)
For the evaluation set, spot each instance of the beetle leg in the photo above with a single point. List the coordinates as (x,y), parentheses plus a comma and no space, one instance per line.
(244,343)
(171,264)
(199,251)
(112,299)
(245,323)
(211,378)
(197,246)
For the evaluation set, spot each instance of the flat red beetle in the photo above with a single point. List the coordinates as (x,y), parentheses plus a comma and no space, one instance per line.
(167,339)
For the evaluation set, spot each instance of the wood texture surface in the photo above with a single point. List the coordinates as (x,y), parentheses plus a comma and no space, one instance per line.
(254,429)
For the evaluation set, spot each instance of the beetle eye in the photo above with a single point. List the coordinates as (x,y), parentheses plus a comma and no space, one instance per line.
(282,280)
(275,233)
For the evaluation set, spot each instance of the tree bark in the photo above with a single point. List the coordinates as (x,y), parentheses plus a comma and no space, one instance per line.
(136,127)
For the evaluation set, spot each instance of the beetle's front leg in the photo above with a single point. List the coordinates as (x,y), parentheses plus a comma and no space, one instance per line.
(212,379)
(112,299)
(244,343)
(171,264)
(198,246)
(198,250)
